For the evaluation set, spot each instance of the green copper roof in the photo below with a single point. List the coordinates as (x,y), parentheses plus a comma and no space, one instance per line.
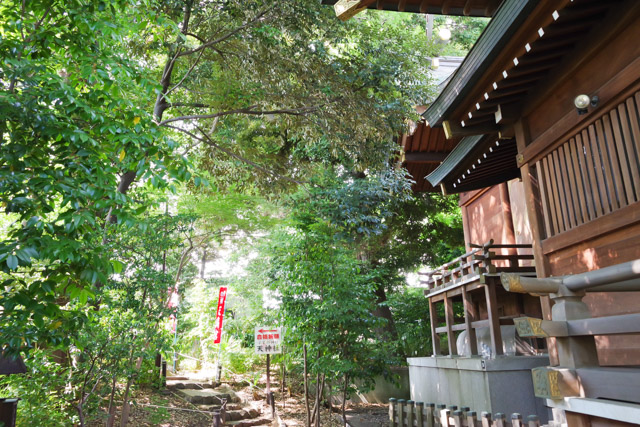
(506,21)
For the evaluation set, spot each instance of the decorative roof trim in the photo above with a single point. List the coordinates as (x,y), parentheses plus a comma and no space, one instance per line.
(506,22)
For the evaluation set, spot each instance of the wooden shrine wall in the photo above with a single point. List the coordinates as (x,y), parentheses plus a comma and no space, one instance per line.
(587,170)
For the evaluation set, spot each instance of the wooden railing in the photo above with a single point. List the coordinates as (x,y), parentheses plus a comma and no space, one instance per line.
(580,374)
(595,172)
(417,414)
(480,260)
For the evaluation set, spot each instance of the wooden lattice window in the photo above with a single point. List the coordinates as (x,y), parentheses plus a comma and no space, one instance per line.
(595,172)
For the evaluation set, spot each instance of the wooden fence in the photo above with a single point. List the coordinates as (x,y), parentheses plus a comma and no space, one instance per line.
(407,413)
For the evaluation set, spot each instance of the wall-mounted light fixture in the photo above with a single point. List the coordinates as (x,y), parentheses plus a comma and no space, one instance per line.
(582,103)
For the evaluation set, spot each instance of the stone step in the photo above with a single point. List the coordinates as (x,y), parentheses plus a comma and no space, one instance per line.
(176,377)
(229,407)
(242,414)
(249,423)
(191,385)
(204,397)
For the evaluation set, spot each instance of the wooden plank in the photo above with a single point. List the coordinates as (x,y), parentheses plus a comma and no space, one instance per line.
(635,128)
(592,175)
(623,156)
(609,325)
(494,321)
(582,159)
(470,316)
(573,188)
(563,178)
(600,177)
(558,193)
(611,383)
(579,183)
(543,196)
(624,217)
(448,315)
(612,154)
(433,316)
(608,175)
(553,200)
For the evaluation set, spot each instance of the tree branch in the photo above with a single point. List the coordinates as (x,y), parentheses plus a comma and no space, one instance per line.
(207,140)
(251,110)
(229,34)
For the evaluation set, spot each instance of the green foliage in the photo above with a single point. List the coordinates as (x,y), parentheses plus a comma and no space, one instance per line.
(72,120)
(411,318)
(464,32)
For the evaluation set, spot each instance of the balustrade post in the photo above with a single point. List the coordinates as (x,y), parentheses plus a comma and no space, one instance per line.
(392,412)
(410,412)
(533,421)
(401,403)
(419,414)
(516,420)
(486,419)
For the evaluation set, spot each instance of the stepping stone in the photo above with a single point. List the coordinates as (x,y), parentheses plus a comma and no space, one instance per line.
(250,423)
(203,397)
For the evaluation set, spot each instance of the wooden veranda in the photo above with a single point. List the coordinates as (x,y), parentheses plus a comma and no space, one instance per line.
(473,280)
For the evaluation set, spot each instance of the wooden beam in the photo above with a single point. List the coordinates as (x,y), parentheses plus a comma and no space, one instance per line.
(423,6)
(401,5)
(380,4)
(448,315)
(507,113)
(494,320)
(346,9)
(446,4)
(555,383)
(433,316)
(466,11)
(422,157)
(537,328)
(470,316)
(455,129)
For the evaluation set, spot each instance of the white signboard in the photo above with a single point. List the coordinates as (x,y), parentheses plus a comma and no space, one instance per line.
(268,340)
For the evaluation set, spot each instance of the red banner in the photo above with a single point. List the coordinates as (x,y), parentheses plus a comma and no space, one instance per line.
(220,314)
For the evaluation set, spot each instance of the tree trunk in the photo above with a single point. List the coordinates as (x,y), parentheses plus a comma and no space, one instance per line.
(111,411)
(344,399)
(383,311)
(306,386)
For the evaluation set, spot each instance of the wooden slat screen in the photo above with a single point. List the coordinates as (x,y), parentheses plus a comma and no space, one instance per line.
(595,172)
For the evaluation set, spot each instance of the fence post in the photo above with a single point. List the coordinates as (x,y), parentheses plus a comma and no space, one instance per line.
(410,412)
(444,417)
(499,420)
(471,419)
(457,418)
(533,421)
(516,420)
(419,414)
(392,412)
(430,407)
(486,419)
(401,412)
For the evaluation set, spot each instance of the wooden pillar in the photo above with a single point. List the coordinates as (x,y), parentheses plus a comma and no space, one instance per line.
(470,316)
(494,320)
(536,223)
(435,339)
(448,315)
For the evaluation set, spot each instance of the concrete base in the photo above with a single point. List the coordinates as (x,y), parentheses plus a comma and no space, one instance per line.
(385,390)
(502,384)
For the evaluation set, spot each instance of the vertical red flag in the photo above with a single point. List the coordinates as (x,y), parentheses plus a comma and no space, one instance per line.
(220,314)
